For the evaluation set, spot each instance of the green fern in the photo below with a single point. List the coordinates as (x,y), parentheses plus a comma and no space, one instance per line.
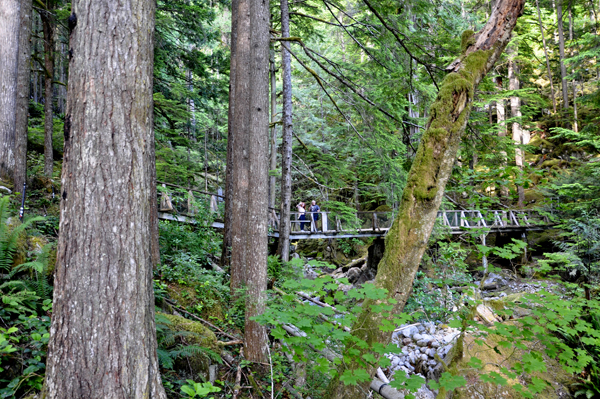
(168,348)
(9,238)
(16,298)
(22,295)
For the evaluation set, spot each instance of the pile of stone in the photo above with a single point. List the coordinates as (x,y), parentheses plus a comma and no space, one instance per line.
(420,344)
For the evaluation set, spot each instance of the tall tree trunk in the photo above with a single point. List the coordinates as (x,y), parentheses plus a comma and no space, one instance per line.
(546,54)
(227,230)
(48,25)
(249,131)
(502,131)
(23,80)
(561,46)
(520,136)
(575,124)
(9,61)
(273,160)
(103,335)
(286,144)
(407,239)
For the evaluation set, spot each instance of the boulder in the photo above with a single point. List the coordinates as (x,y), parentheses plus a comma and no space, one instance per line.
(353,274)
(494,357)
(486,314)
(198,363)
(494,281)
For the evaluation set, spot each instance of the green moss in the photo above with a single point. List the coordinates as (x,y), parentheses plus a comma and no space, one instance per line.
(202,335)
(467,38)
(184,295)
(383,208)
(475,62)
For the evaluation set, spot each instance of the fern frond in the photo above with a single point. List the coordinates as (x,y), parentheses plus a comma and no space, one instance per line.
(165,359)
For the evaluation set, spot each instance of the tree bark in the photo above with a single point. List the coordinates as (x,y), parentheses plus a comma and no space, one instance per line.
(520,136)
(103,335)
(537,4)
(24,68)
(227,238)
(273,159)
(502,132)
(561,46)
(407,239)
(9,58)
(249,166)
(286,134)
(48,26)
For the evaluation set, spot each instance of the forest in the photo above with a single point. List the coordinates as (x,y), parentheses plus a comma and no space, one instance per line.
(299,199)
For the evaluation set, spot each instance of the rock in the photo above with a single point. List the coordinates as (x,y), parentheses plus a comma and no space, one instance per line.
(494,281)
(427,338)
(353,274)
(450,337)
(345,287)
(8,190)
(200,335)
(486,314)
(417,337)
(435,344)
(310,274)
(407,341)
(409,331)
(495,357)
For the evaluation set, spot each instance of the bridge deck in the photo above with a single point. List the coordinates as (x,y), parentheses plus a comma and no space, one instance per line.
(377,224)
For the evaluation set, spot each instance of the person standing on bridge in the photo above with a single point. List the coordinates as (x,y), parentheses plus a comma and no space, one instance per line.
(301,214)
(314,214)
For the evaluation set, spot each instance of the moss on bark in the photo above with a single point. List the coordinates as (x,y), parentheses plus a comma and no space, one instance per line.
(407,239)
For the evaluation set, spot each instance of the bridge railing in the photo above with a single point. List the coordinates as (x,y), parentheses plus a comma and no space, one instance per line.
(333,222)
(188,203)
(493,219)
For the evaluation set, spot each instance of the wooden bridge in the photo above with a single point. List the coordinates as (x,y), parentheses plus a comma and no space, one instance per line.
(183,207)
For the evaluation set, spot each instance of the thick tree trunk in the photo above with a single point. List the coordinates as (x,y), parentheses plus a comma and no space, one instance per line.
(286,144)
(249,199)
(561,46)
(226,250)
(48,24)
(9,57)
(20,173)
(103,335)
(407,239)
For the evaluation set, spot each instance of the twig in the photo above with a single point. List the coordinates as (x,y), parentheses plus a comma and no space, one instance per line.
(238,377)
(410,325)
(200,319)
(317,302)
(238,342)
(271,366)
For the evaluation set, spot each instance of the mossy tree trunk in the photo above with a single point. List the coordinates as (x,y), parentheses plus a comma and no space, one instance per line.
(407,239)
